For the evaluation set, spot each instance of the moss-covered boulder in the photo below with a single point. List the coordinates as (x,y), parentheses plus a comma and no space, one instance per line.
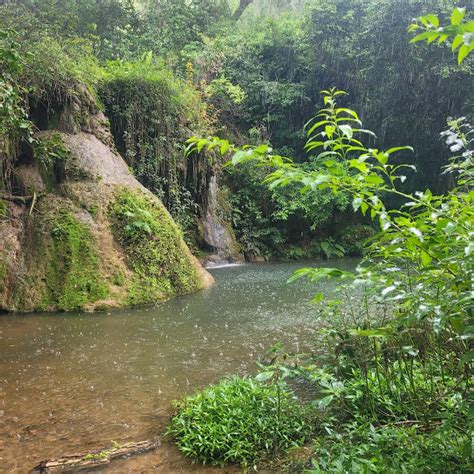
(89,236)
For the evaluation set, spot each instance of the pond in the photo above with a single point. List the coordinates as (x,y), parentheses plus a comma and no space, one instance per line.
(74,382)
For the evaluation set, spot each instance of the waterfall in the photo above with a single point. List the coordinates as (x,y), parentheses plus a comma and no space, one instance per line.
(217,232)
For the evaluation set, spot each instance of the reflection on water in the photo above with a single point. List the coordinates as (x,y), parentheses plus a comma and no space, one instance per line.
(73,382)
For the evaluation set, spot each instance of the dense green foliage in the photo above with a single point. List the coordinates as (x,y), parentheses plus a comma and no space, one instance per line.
(241,421)
(38,81)
(284,223)
(14,123)
(359,46)
(459,31)
(254,77)
(392,448)
(402,369)
(421,250)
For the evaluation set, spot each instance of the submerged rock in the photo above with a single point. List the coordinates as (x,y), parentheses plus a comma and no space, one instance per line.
(88,235)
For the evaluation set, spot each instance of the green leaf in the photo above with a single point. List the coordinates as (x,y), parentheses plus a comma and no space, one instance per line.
(432,19)
(347,131)
(264,376)
(359,165)
(225,145)
(457,16)
(464,50)
(382,157)
(241,156)
(443,38)
(317,298)
(317,125)
(201,144)
(425,259)
(457,41)
(399,148)
(262,149)
(416,232)
(422,36)
(324,402)
(350,112)
(367,132)
(469,249)
(468,357)
(469,26)
(373,179)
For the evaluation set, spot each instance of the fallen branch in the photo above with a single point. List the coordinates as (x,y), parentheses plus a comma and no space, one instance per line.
(92,459)
(9,197)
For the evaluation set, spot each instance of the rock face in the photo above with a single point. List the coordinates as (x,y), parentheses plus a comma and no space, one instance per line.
(89,235)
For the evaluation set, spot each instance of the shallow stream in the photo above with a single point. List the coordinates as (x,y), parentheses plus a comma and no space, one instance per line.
(75,382)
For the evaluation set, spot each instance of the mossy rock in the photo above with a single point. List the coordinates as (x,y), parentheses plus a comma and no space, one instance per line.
(86,254)
(73,275)
(93,237)
(154,248)
(61,266)
(3,208)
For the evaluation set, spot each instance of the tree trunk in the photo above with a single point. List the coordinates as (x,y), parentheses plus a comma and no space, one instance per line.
(241,8)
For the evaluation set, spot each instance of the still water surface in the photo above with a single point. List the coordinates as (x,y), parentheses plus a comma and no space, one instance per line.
(75,382)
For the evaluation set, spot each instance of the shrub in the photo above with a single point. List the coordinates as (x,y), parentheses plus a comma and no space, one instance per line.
(57,71)
(391,448)
(239,420)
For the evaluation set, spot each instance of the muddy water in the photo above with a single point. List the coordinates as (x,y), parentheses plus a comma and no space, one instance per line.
(74,382)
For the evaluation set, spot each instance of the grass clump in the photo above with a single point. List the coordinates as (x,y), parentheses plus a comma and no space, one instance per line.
(73,278)
(155,250)
(55,72)
(239,420)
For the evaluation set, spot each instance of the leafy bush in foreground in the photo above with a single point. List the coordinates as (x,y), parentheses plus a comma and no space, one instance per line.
(239,420)
(390,448)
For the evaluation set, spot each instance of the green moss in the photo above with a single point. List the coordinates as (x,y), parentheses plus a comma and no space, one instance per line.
(154,247)
(73,278)
(3,208)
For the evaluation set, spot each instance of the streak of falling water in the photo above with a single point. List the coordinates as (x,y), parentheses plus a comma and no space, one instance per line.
(75,382)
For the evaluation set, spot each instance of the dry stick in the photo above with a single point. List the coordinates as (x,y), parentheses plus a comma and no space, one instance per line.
(32,204)
(23,199)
